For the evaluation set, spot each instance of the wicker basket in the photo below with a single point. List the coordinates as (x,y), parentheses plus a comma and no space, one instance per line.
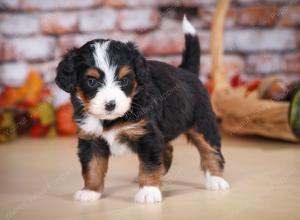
(239,114)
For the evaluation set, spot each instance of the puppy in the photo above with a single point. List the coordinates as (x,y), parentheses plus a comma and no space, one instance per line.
(124,103)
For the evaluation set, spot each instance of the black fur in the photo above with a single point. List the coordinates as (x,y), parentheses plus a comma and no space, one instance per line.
(191,54)
(65,78)
(88,148)
(171,100)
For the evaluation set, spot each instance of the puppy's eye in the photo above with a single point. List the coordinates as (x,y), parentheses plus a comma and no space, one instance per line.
(91,82)
(124,82)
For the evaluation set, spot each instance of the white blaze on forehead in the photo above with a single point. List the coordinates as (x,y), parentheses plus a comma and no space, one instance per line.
(110,90)
(102,61)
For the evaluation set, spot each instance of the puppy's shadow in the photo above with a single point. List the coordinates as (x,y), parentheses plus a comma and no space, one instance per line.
(188,188)
(110,191)
(182,183)
(126,183)
(123,179)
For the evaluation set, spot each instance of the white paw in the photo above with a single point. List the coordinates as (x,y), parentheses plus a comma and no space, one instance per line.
(215,182)
(87,195)
(148,194)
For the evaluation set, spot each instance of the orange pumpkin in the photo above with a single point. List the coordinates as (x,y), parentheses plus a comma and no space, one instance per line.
(64,121)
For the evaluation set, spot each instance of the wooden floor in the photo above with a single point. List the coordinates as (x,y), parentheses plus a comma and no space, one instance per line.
(38,178)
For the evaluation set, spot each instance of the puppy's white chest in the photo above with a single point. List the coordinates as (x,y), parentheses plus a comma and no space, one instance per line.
(115,146)
(91,125)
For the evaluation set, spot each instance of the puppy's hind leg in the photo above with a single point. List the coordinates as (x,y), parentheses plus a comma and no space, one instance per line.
(212,161)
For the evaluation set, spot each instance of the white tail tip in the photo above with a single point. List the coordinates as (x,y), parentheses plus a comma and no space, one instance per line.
(187,27)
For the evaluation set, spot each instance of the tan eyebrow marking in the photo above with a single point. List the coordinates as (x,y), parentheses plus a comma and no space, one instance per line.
(123,72)
(93,72)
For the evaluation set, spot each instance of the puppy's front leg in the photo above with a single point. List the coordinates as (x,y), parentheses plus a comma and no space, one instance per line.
(149,183)
(150,172)
(93,155)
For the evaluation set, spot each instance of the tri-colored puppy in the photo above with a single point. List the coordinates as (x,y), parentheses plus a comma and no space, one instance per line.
(124,103)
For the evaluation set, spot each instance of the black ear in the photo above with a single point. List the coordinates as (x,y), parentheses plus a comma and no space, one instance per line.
(140,64)
(65,72)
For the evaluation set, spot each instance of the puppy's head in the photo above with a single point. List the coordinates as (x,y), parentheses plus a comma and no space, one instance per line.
(104,75)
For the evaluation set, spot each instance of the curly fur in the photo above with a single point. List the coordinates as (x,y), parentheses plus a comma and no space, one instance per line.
(169,101)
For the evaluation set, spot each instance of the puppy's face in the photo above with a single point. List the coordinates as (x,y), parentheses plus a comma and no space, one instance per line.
(107,86)
(104,77)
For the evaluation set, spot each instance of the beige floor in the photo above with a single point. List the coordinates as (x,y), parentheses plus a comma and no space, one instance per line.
(38,178)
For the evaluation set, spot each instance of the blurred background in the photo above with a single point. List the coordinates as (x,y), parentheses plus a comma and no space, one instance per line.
(38,166)
(262,38)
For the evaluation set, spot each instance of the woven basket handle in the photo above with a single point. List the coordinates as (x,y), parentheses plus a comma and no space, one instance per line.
(220,80)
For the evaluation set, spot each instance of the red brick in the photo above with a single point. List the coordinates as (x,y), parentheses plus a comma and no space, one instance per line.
(258,15)
(289,16)
(19,24)
(290,62)
(206,15)
(131,3)
(167,42)
(260,40)
(298,38)
(59,23)
(233,65)
(204,39)
(68,42)
(47,70)
(191,3)
(7,51)
(280,1)
(9,4)
(168,24)
(291,77)
(31,5)
(172,60)
(170,2)
(188,3)
(263,64)
(115,3)
(138,20)
(77,40)
(98,20)
(13,74)
(159,43)
(249,2)
(34,49)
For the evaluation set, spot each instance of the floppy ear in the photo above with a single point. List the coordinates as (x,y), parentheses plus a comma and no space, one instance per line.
(65,72)
(140,65)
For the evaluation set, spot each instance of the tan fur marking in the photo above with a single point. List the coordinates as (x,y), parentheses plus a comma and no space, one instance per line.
(85,136)
(93,73)
(94,177)
(209,158)
(135,132)
(132,131)
(134,91)
(149,178)
(80,94)
(123,72)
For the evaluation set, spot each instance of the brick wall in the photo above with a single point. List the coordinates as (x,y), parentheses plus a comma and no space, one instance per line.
(262,37)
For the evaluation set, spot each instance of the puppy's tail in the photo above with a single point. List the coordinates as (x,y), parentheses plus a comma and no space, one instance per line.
(191,53)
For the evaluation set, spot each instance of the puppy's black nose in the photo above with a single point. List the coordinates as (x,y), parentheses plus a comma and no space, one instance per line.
(111,105)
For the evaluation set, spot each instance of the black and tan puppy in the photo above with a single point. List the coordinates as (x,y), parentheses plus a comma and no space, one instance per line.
(124,103)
